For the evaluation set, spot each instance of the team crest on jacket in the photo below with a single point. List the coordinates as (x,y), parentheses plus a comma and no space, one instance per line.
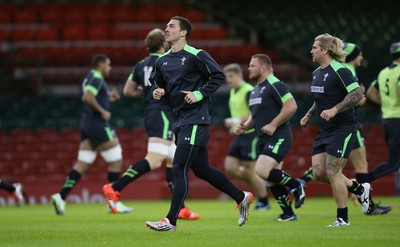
(183,60)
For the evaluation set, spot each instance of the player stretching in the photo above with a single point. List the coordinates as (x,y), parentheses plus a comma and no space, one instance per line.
(158,118)
(335,94)
(187,77)
(95,131)
(272,105)
(240,161)
(386,92)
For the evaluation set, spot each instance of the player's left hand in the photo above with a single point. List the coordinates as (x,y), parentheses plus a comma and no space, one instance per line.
(362,101)
(328,114)
(189,97)
(114,95)
(269,129)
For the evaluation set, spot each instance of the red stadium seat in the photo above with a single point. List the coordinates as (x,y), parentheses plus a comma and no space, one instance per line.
(98,32)
(122,34)
(123,14)
(3,35)
(216,33)
(51,16)
(76,16)
(75,32)
(195,16)
(99,16)
(25,16)
(5,16)
(47,34)
(22,34)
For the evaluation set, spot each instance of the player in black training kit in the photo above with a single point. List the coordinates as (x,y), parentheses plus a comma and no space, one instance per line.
(187,77)
(358,156)
(335,94)
(96,132)
(158,121)
(272,105)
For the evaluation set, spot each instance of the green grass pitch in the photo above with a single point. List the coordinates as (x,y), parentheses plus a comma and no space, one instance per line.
(91,225)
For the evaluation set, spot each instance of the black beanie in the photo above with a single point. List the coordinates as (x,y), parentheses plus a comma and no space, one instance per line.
(352,51)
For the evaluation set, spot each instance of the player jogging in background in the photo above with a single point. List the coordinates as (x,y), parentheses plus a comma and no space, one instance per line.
(272,105)
(358,156)
(95,131)
(16,191)
(187,77)
(385,91)
(335,94)
(241,159)
(158,124)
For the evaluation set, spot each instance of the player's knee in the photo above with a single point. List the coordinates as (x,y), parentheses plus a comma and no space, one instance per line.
(112,155)
(171,151)
(155,160)
(87,156)
(262,170)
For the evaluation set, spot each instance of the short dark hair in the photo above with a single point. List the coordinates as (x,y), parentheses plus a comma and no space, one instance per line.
(184,24)
(98,59)
(155,40)
(263,58)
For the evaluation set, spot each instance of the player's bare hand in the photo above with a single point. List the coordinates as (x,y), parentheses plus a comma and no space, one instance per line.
(269,129)
(240,129)
(362,101)
(106,115)
(189,97)
(158,93)
(305,121)
(114,95)
(329,114)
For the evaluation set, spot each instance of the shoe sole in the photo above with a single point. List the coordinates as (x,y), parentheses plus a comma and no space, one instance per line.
(56,208)
(156,230)
(251,198)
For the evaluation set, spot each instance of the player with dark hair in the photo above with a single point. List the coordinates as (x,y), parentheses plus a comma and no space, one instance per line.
(187,77)
(158,124)
(95,131)
(385,91)
(335,94)
(272,105)
(15,189)
(242,155)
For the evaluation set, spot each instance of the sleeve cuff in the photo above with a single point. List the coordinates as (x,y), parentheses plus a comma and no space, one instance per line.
(91,89)
(198,95)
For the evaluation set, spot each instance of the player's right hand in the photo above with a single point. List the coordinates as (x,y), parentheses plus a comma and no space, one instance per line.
(106,115)
(240,129)
(304,121)
(158,93)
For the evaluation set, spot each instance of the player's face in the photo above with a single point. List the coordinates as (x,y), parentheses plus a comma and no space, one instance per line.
(173,31)
(105,68)
(359,59)
(316,52)
(231,79)
(254,69)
